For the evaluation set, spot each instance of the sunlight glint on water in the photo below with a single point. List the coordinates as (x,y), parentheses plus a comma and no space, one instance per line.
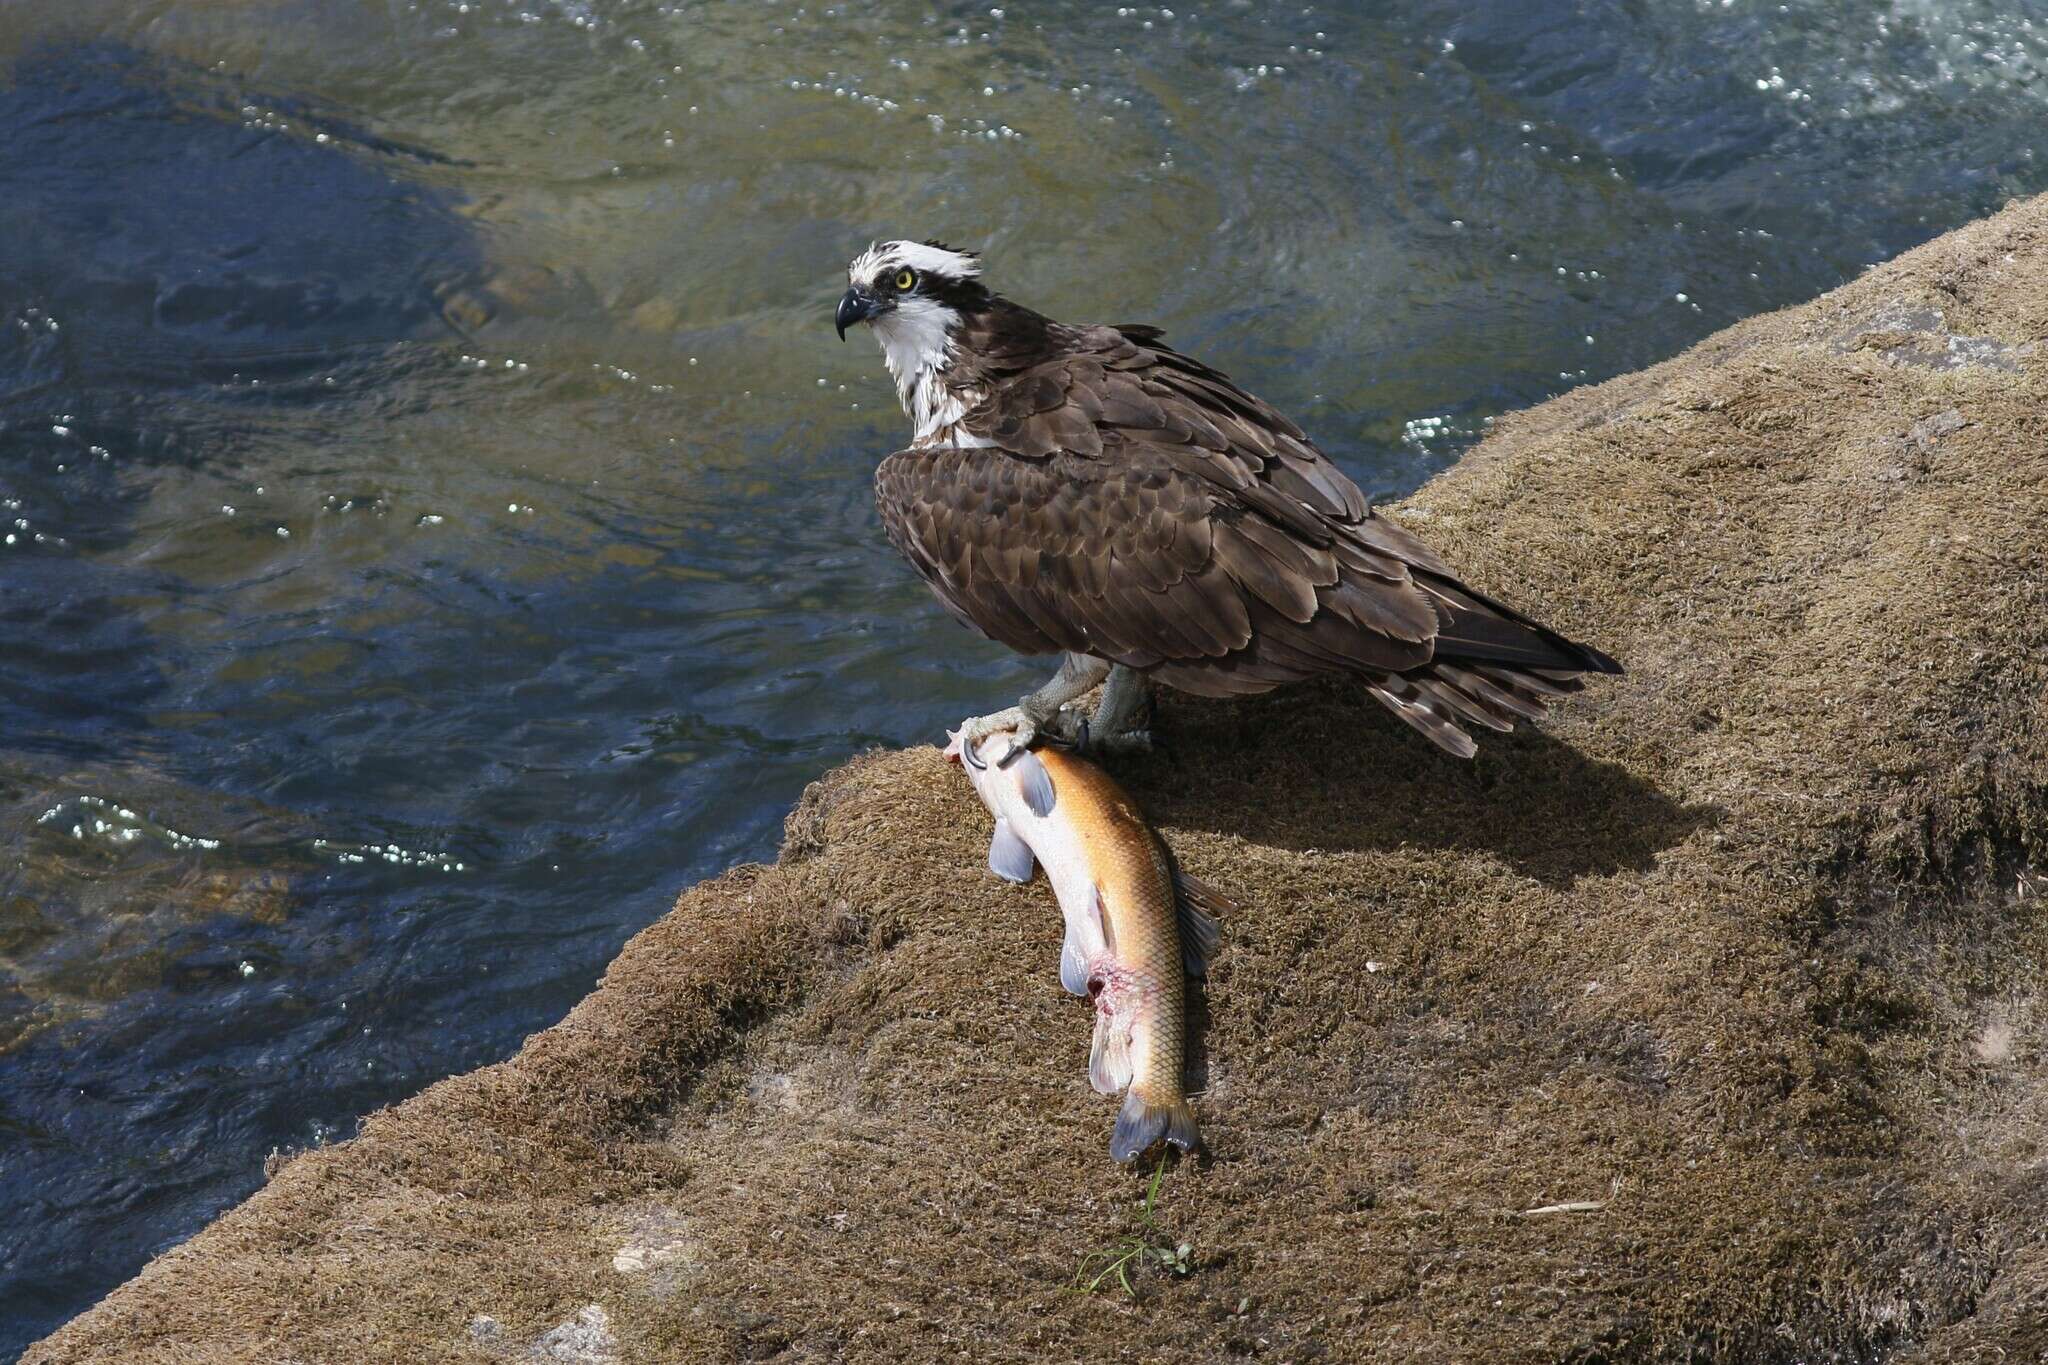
(434,510)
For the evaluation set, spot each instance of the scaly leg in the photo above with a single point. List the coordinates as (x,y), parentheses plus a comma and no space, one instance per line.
(1039,715)
(1115,728)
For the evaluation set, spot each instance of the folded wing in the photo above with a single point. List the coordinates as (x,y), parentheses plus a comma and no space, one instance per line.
(1135,505)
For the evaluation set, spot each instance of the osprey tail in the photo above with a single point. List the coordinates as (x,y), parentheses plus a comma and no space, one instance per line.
(1476,629)
(1492,667)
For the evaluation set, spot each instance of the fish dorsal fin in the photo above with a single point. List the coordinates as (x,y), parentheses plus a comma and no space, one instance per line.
(1196,905)
(1009,857)
(1033,781)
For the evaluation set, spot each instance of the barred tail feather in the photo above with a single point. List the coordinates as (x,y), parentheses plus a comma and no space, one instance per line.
(1444,697)
(1456,706)
(1487,693)
(1404,699)
(1533,682)
(1474,628)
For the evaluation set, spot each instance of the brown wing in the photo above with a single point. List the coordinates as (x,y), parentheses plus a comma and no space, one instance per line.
(1053,388)
(1137,561)
(1134,504)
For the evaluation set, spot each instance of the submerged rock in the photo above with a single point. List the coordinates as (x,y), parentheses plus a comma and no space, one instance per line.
(1706,1023)
(113,861)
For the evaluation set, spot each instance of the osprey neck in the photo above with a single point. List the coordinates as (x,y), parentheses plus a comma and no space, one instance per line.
(917,346)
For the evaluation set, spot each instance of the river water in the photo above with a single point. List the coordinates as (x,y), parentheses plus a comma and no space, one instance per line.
(436,508)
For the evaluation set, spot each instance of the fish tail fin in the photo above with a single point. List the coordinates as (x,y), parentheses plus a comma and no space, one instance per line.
(1140,1123)
(1109,1057)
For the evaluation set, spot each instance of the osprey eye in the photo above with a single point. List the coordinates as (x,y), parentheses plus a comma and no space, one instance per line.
(906,279)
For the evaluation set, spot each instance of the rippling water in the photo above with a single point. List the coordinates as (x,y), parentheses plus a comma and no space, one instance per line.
(436,509)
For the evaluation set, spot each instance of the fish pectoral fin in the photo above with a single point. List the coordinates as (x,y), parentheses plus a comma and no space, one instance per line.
(1084,941)
(1140,1123)
(1073,966)
(1009,857)
(1035,782)
(1109,1059)
(1096,917)
(1195,906)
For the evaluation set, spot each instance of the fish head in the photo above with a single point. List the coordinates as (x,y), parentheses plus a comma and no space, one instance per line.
(981,774)
(1007,777)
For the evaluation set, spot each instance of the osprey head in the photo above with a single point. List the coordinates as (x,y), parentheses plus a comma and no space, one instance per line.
(909,290)
(913,294)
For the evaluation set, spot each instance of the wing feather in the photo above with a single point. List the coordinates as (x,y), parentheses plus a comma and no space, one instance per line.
(1290,594)
(1132,503)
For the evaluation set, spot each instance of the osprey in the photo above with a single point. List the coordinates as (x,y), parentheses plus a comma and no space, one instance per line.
(1092,491)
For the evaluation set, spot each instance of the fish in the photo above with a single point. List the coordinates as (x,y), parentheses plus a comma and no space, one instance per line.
(1137,926)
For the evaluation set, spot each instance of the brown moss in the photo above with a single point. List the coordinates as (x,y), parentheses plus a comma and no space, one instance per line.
(1745,952)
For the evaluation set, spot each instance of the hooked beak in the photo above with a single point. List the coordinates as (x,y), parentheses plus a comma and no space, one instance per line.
(857,306)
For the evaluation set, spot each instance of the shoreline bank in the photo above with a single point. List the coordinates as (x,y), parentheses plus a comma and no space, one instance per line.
(1744,949)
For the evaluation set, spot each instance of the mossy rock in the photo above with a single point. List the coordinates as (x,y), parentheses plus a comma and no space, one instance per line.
(1705,1024)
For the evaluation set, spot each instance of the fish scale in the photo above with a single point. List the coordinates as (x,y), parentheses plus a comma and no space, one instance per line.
(1136,926)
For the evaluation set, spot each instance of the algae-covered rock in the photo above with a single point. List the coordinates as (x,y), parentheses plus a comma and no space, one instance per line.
(1707,1023)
